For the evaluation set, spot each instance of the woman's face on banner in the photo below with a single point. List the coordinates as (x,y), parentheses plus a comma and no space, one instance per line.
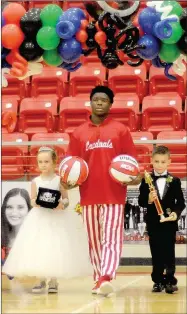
(16,210)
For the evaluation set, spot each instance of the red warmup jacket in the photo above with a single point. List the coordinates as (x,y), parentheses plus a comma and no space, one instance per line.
(98,145)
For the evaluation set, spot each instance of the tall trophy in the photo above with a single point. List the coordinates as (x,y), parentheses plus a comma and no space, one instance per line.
(149,181)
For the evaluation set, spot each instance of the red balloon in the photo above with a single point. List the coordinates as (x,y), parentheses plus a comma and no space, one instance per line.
(10,58)
(13,12)
(84,24)
(12,36)
(13,56)
(81,36)
(100,37)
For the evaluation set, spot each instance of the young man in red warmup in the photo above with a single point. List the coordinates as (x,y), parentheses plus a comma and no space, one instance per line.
(98,141)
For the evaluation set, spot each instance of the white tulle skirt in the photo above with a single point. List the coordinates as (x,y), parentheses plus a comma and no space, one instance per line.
(50,243)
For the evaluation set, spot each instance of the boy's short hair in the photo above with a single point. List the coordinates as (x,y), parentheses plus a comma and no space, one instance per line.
(161,150)
(103,89)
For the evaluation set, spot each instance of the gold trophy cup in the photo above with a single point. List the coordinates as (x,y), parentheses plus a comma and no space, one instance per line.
(149,181)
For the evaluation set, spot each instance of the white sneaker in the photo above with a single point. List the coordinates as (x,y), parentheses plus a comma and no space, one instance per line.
(105,288)
(53,286)
(39,287)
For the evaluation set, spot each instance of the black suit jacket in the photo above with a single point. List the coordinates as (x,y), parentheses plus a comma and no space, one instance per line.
(172,198)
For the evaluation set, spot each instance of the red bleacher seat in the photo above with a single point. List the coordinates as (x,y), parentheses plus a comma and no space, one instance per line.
(144,150)
(73,4)
(161,112)
(9,103)
(16,88)
(125,109)
(9,114)
(185,114)
(178,151)
(127,79)
(73,112)
(14,158)
(24,4)
(182,3)
(40,3)
(159,83)
(37,115)
(50,82)
(42,137)
(84,79)
(92,58)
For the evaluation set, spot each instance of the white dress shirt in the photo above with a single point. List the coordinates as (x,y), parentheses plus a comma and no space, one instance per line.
(161,182)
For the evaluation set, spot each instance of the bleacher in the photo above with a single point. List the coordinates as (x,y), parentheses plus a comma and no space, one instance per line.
(52,104)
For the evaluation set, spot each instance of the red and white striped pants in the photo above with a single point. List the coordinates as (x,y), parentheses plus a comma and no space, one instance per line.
(104,226)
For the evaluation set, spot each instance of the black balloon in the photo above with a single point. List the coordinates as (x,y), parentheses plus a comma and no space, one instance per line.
(30,23)
(182,44)
(30,50)
(183,19)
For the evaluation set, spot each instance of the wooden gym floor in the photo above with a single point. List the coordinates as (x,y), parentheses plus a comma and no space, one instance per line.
(133,295)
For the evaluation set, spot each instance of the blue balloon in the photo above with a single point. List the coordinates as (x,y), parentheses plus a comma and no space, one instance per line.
(76,11)
(3,22)
(4,52)
(70,50)
(152,47)
(5,64)
(147,18)
(73,15)
(66,29)
(163,29)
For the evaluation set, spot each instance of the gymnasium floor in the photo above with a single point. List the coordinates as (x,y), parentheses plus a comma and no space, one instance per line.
(133,295)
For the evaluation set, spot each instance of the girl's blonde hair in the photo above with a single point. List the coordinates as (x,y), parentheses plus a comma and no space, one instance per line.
(51,150)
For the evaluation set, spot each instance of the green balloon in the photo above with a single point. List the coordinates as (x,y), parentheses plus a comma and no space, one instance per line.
(47,38)
(50,15)
(52,57)
(169,52)
(176,7)
(177,32)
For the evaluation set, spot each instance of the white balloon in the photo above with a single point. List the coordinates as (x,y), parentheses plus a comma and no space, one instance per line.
(178,65)
(164,10)
(122,13)
(34,67)
(4,81)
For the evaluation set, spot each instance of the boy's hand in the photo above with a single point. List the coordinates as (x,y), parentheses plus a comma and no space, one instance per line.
(173,216)
(152,196)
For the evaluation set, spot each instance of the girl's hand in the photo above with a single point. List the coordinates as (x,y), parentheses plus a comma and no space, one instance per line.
(152,196)
(60,206)
(33,203)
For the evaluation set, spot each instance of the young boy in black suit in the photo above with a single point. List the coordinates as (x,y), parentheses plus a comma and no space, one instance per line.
(162,235)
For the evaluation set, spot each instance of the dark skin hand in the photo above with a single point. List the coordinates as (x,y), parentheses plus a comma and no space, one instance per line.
(135,181)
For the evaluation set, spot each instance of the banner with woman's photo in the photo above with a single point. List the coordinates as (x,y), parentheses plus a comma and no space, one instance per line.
(16,205)
(14,208)
(134,219)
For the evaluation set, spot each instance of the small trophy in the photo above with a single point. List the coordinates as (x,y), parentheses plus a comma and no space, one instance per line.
(149,181)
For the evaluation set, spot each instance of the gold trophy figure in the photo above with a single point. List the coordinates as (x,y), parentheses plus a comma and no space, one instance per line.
(149,181)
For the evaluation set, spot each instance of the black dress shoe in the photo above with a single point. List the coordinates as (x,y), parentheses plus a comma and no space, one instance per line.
(171,288)
(157,287)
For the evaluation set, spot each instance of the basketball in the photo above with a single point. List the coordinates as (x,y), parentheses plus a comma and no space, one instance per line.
(73,170)
(124,169)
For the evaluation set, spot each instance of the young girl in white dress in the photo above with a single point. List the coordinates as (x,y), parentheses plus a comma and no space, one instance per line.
(51,243)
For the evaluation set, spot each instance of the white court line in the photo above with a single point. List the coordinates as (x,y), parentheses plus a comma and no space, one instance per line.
(98,301)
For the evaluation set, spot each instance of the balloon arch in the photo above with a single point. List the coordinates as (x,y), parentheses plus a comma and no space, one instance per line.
(59,38)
